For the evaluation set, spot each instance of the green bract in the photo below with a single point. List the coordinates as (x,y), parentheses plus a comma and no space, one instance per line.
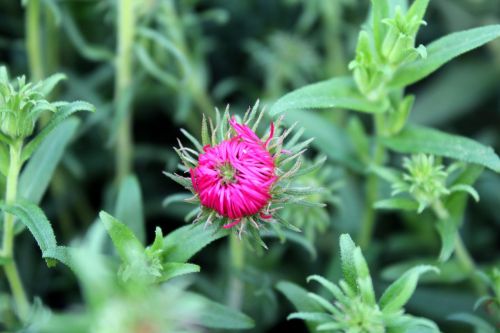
(425,179)
(354,308)
(21,103)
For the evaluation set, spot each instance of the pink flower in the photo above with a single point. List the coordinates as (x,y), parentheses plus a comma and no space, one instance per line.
(235,177)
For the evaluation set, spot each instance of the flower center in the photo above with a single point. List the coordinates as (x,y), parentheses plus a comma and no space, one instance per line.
(227,173)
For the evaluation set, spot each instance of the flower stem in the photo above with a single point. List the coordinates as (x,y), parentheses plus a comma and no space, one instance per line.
(126,32)
(33,40)
(235,297)
(371,191)
(8,235)
(461,253)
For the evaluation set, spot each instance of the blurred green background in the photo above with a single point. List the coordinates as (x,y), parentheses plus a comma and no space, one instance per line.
(191,56)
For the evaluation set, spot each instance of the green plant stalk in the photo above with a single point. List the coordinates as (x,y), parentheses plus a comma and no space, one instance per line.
(237,250)
(371,189)
(461,253)
(126,31)
(33,40)
(8,236)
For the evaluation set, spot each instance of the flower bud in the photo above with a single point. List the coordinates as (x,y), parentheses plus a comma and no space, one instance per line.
(239,179)
(18,108)
(398,45)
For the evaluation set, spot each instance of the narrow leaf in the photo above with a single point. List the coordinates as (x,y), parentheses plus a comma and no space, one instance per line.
(129,208)
(334,93)
(216,315)
(183,243)
(399,292)
(65,111)
(37,174)
(36,222)
(397,204)
(173,269)
(347,248)
(418,139)
(298,296)
(124,240)
(443,50)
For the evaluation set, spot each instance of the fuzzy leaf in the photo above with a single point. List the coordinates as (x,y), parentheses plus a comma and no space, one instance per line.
(399,292)
(36,222)
(418,139)
(298,296)
(364,280)
(46,86)
(65,111)
(339,92)
(310,316)
(347,248)
(216,315)
(126,243)
(173,269)
(479,323)
(37,174)
(448,232)
(397,204)
(443,50)
(183,243)
(455,204)
(129,207)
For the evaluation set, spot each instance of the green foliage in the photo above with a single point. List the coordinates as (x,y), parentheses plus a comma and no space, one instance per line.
(159,70)
(355,308)
(416,139)
(442,51)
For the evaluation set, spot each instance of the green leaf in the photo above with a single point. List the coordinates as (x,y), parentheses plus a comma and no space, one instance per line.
(448,231)
(399,292)
(334,93)
(347,248)
(455,203)
(129,208)
(397,204)
(36,222)
(310,316)
(65,111)
(183,243)
(37,174)
(449,272)
(294,237)
(479,323)
(418,139)
(173,269)
(364,280)
(450,95)
(126,243)
(380,11)
(443,50)
(329,138)
(63,254)
(46,86)
(299,297)
(216,315)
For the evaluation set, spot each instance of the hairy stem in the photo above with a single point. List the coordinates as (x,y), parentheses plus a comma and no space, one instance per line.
(126,31)
(8,235)
(33,40)
(235,297)
(371,190)
(461,253)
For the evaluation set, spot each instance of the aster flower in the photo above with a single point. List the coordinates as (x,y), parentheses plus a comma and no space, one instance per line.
(240,179)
